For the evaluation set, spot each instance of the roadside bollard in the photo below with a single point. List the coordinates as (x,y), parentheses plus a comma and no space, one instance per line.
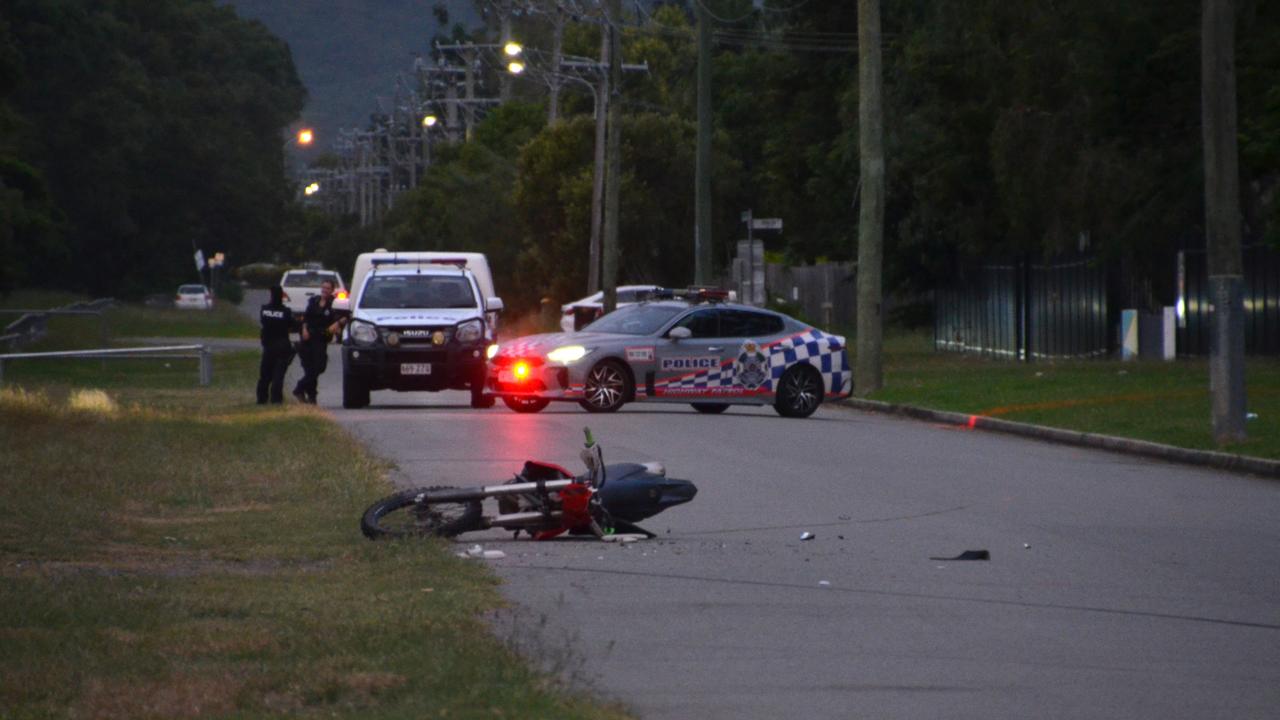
(206,365)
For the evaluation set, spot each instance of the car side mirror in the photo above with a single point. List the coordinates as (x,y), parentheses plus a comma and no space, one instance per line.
(680,333)
(495,304)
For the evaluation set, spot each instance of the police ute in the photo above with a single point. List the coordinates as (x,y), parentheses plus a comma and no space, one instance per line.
(417,326)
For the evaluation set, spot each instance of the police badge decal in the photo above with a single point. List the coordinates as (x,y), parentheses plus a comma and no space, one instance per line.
(751,369)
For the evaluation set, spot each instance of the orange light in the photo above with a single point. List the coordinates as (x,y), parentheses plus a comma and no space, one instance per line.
(342,294)
(521,370)
(305,136)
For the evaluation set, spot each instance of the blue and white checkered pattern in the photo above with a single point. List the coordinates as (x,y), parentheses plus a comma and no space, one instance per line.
(718,377)
(824,352)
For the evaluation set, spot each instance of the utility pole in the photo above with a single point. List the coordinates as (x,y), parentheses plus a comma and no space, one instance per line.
(597,178)
(702,251)
(557,54)
(504,78)
(1222,219)
(613,169)
(868,374)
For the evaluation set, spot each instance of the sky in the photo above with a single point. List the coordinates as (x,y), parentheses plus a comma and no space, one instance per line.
(348,52)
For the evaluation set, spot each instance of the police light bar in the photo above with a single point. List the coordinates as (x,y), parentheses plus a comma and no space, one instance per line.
(706,294)
(455,262)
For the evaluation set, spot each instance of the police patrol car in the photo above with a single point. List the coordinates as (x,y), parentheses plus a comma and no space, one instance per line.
(687,347)
(417,326)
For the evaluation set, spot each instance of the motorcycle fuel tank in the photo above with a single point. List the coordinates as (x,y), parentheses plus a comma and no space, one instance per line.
(631,492)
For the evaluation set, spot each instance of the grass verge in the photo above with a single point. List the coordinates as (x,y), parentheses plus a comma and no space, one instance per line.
(1164,402)
(171,551)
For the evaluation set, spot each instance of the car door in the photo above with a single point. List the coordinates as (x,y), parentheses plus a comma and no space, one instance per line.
(748,336)
(693,367)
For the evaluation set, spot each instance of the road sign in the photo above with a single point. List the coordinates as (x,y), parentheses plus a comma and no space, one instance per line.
(766,223)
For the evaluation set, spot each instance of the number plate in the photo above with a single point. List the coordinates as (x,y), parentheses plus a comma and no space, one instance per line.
(506,376)
(415,368)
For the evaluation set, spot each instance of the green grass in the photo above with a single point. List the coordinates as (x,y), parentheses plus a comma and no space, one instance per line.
(1165,402)
(126,320)
(173,551)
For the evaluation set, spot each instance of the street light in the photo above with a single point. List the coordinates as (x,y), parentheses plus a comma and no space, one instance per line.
(515,67)
(512,49)
(312,189)
(305,136)
(429,121)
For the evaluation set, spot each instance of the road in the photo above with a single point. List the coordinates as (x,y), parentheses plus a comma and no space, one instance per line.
(1117,587)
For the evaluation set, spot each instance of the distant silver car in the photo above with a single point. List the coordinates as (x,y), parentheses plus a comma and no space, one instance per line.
(301,285)
(193,297)
(693,350)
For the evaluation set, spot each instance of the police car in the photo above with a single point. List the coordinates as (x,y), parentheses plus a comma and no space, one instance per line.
(417,326)
(688,347)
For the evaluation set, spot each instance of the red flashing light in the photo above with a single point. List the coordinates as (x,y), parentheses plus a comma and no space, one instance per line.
(521,371)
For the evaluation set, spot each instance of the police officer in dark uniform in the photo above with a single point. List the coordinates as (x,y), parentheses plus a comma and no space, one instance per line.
(277,352)
(320,323)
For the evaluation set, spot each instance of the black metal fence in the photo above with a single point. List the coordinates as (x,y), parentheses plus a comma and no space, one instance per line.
(1025,310)
(1261,301)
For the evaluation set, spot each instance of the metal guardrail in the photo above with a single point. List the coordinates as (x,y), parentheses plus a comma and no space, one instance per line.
(199,352)
(34,323)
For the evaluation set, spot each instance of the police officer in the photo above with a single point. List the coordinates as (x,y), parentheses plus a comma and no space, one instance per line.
(320,323)
(277,352)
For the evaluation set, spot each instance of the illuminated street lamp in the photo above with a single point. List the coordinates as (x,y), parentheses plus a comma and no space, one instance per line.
(515,67)
(429,121)
(512,49)
(305,136)
(312,189)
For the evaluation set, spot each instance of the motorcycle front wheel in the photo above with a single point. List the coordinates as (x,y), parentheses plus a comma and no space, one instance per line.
(402,515)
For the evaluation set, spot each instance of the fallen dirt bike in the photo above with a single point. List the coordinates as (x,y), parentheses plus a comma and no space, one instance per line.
(543,500)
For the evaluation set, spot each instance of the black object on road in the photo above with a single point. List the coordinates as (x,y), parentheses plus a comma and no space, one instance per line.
(968,555)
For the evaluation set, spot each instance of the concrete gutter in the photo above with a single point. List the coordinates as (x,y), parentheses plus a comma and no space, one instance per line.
(1205,458)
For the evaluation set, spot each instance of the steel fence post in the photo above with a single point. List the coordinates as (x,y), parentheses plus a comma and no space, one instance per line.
(206,365)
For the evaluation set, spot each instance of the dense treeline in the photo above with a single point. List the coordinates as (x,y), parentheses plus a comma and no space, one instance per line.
(1030,128)
(133,133)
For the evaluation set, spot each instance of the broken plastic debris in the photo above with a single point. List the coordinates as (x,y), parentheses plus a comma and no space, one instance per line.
(1026,546)
(624,537)
(806,536)
(824,582)
(494,554)
(1251,416)
(475,551)
(968,555)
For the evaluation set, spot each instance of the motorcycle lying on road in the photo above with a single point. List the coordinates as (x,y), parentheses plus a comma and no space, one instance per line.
(544,500)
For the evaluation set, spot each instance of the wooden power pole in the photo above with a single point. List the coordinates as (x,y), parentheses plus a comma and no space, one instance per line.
(613,165)
(867,370)
(1222,219)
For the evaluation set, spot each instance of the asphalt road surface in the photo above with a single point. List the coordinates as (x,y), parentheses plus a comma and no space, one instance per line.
(1116,587)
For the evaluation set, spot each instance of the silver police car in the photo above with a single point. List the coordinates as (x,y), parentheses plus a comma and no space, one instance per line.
(694,349)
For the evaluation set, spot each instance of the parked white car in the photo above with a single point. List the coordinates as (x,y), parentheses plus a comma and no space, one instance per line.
(301,285)
(193,297)
(592,306)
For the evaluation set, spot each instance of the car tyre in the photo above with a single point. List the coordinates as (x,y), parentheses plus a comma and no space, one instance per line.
(607,388)
(355,392)
(526,404)
(710,408)
(799,392)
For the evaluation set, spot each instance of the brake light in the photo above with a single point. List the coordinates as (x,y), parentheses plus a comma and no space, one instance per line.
(342,295)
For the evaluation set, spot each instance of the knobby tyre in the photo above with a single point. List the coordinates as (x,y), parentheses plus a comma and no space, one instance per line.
(402,515)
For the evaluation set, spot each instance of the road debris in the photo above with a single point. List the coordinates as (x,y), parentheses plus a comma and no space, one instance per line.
(807,536)
(968,555)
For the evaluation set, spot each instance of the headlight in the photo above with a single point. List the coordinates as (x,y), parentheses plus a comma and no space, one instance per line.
(363,333)
(490,352)
(470,331)
(568,354)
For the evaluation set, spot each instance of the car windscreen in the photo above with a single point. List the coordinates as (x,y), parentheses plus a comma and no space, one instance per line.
(642,319)
(308,279)
(417,291)
(191,290)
